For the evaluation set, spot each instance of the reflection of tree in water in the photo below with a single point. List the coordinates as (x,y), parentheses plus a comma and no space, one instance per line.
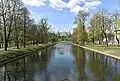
(106,68)
(14,71)
(79,54)
(45,57)
(40,61)
(101,67)
(24,69)
(117,73)
(94,63)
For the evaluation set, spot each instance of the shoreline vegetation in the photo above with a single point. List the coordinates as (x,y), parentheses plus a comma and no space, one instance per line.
(111,51)
(13,54)
(19,33)
(101,35)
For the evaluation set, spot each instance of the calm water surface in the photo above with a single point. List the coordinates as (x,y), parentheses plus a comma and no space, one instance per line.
(62,62)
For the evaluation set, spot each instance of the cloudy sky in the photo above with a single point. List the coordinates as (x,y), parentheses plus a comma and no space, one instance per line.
(61,13)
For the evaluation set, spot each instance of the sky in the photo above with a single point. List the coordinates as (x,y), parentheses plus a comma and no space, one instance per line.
(61,13)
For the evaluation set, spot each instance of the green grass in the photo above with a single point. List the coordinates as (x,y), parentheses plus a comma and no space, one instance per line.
(111,49)
(13,52)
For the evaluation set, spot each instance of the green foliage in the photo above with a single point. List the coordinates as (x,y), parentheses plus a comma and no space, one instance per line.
(43,30)
(17,28)
(79,34)
(101,27)
(94,30)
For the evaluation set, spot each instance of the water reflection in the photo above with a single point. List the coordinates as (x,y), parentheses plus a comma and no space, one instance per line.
(103,68)
(76,64)
(80,62)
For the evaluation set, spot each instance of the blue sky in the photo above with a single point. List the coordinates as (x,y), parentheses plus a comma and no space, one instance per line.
(61,13)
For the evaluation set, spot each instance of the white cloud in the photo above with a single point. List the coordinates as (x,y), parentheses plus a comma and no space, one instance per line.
(58,3)
(52,6)
(76,9)
(92,3)
(60,9)
(73,5)
(61,27)
(86,5)
(55,7)
(34,2)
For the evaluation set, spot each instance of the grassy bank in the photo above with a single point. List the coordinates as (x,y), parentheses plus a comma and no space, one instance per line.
(112,49)
(15,53)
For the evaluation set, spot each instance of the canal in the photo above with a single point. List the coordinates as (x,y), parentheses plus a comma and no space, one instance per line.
(62,62)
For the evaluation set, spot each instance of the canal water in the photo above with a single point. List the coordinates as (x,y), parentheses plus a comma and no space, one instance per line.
(62,62)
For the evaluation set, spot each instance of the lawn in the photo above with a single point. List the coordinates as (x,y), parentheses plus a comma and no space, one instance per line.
(13,52)
(111,49)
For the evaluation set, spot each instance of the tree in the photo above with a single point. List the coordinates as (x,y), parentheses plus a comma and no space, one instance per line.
(1,34)
(32,33)
(52,37)
(43,30)
(77,35)
(116,25)
(26,19)
(105,23)
(101,27)
(93,33)
(80,21)
(7,11)
(17,28)
(18,22)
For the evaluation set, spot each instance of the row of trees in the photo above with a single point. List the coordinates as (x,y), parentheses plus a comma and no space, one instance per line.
(18,29)
(104,26)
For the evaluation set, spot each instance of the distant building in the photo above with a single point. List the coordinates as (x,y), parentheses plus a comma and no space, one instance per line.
(64,33)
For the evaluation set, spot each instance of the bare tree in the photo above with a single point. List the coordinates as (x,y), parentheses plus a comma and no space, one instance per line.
(7,10)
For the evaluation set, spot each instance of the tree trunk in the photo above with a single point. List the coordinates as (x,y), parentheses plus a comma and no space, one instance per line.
(107,42)
(117,38)
(93,40)
(6,42)
(6,45)
(37,43)
(16,34)
(33,42)
(24,38)
(2,42)
(5,35)
(0,46)
(83,40)
(17,42)
(24,30)
(106,39)
(24,43)
(99,41)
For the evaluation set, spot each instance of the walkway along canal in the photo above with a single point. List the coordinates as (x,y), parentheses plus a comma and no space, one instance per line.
(62,62)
